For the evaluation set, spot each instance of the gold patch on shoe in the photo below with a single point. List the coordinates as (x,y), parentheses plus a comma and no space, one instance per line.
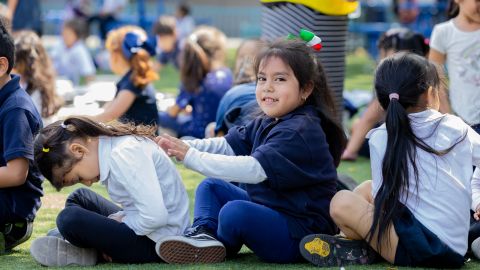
(317,246)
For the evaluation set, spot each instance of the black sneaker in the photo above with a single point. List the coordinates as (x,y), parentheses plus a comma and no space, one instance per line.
(17,233)
(327,250)
(198,245)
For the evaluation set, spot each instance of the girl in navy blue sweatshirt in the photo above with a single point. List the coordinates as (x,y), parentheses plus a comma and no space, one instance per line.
(284,161)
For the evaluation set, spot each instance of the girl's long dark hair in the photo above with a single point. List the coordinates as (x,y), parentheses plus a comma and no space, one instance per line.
(409,75)
(50,146)
(308,71)
(452,9)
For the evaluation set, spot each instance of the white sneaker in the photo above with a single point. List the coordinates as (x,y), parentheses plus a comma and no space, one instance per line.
(54,251)
(476,248)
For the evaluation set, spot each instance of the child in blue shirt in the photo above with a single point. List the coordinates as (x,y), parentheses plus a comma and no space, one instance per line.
(166,41)
(135,98)
(205,79)
(285,159)
(20,181)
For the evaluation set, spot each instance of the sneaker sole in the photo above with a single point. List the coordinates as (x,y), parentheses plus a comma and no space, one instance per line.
(53,251)
(25,237)
(327,250)
(181,252)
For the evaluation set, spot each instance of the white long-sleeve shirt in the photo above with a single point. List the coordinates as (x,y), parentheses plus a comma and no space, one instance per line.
(444,197)
(215,158)
(144,181)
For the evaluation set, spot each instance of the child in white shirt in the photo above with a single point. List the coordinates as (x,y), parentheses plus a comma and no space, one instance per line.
(71,57)
(139,177)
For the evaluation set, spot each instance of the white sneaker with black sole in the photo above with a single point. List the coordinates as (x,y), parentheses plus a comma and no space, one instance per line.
(54,251)
(476,248)
(196,246)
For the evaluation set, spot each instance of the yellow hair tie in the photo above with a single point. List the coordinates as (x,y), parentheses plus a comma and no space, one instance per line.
(46,150)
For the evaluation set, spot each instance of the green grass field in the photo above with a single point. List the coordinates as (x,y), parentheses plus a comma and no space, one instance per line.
(359,76)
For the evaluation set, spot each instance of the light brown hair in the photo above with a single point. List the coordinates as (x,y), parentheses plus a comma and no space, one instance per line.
(140,63)
(36,69)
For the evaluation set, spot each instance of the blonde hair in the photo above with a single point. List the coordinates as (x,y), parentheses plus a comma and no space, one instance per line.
(140,63)
(32,61)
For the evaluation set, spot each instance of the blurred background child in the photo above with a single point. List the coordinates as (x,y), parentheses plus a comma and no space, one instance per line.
(71,57)
(239,104)
(167,44)
(185,23)
(36,73)
(130,56)
(204,81)
(456,44)
(20,179)
(394,40)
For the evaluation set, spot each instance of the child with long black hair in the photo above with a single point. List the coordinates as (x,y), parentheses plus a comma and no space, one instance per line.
(415,211)
(285,159)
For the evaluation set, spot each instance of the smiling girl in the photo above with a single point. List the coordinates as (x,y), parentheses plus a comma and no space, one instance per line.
(138,176)
(285,161)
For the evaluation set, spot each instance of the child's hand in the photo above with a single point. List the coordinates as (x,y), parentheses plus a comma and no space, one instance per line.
(476,215)
(172,146)
(118,216)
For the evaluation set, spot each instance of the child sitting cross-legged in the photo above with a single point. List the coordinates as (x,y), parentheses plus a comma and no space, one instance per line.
(415,211)
(284,159)
(149,199)
(20,180)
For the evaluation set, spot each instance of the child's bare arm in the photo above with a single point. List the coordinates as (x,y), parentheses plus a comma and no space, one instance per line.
(116,107)
(14,174)
(439,58)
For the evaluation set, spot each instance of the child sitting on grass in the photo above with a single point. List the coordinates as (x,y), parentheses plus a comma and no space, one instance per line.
(415,211)
(20,180)
(71,57)
(36,74)
(284,159)
(130,56)
(149,199)
(204,81)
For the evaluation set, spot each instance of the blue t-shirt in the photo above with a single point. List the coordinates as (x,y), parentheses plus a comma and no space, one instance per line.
(144,109)
(237,107)
(171,57)
(205,102)
(19,123)
(27,15)
(301,175)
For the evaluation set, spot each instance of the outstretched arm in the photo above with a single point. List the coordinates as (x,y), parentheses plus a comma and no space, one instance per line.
(117,107)
(439,58)
(243,169)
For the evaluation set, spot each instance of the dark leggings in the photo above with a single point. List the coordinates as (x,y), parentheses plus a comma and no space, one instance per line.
(227,210)
(84,222)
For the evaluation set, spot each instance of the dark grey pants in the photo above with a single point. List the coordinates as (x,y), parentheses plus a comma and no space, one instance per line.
(84,222)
